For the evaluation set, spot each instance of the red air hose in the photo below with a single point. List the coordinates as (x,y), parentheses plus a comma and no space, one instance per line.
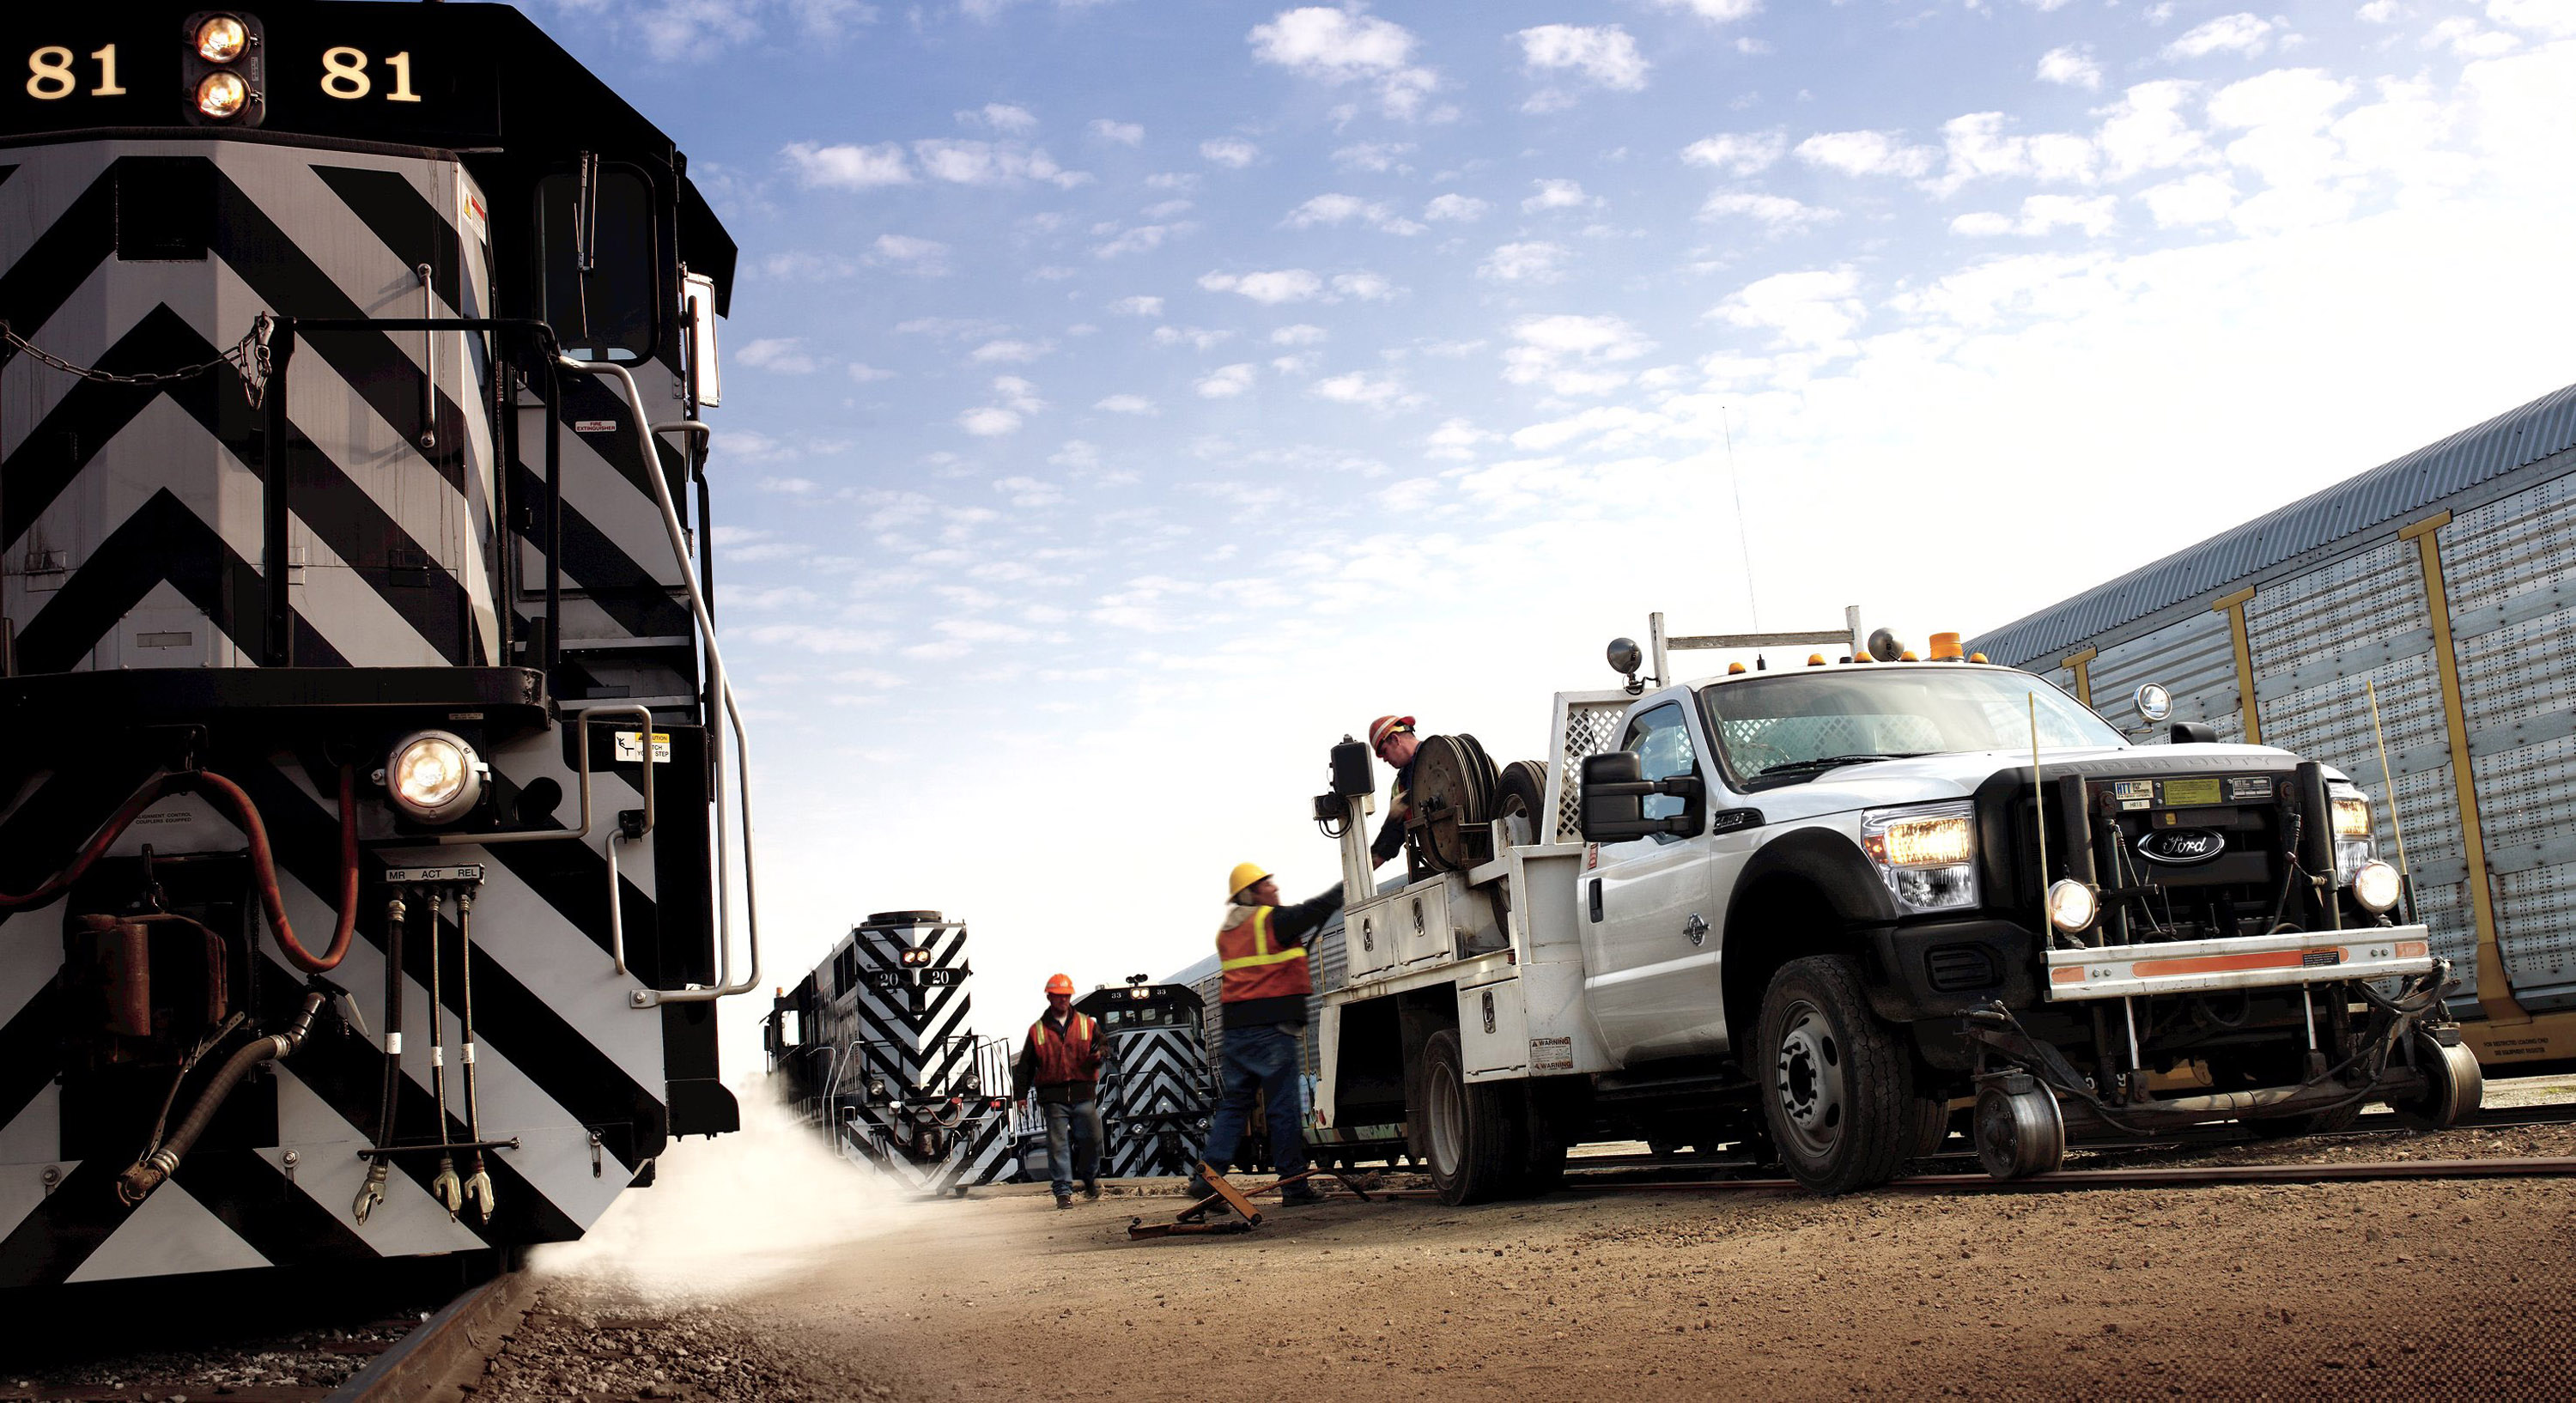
(263,863)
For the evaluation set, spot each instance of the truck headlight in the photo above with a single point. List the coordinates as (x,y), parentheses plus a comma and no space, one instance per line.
(2072,905)
(1926,855)
(2376,887)
(434,776)
(2353,844)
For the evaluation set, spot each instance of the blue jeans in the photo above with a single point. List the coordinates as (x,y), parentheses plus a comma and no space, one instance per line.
(1078,1122)
(1260,1061)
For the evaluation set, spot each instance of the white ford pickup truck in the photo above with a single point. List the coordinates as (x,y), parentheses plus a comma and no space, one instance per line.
(1814,910)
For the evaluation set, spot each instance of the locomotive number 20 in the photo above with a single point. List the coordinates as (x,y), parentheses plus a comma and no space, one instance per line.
(344,75)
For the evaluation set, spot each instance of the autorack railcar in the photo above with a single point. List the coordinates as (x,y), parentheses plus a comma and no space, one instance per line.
(367,813)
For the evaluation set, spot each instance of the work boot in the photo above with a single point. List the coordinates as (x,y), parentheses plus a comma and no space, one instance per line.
(1091,1191)
(1300,1194)
(1064,1200)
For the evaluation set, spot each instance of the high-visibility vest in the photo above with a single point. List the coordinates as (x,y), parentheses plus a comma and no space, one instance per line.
(1067,1057)
(1253,966)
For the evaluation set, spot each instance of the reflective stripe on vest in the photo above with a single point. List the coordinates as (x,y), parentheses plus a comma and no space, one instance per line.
(1068,1058)
(1251,967)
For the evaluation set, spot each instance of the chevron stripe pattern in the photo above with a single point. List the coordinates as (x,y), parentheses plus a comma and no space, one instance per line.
(131,537)
(1154,1100)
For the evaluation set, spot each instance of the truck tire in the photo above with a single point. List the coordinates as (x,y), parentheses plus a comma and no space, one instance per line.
(1471,1133)
(1523,791)
(1552,1125)
(1839,1085)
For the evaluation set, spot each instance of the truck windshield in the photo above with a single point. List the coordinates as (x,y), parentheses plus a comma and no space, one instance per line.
(1804,722)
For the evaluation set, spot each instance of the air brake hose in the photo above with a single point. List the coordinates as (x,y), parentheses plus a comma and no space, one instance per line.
(147,1174)
(263,863)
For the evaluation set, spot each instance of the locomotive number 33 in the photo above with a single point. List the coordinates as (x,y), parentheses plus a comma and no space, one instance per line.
(51,74)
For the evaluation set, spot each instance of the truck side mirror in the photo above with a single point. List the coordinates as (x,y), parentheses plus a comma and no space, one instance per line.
(1614,785)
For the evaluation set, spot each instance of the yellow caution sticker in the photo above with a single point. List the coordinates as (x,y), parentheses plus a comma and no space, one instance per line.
(630,747)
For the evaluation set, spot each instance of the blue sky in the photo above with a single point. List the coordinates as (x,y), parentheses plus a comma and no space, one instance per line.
(1125,400)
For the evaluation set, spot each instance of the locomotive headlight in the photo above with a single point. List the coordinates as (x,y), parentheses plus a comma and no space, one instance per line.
(221,39)
(434,776)
(221,95)
(1926,855)
(2376,887)
(2072,905)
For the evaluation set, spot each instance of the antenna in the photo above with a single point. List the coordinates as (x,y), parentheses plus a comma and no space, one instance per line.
(1743,537)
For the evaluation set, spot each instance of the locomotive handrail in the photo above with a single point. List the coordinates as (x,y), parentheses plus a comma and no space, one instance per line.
(722,686)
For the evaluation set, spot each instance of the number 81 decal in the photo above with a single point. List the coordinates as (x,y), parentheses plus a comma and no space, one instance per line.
(344,75)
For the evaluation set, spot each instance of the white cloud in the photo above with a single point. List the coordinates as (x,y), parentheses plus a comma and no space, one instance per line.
(1339,47)
(2072,65)
(1455,439)
(1455,208)
(1571,354)
(1232,152)
(1812,310)
(1000,117)
(1977,148)
(2146,130)
(1606,55)
(2379,12)
(1029,491)
(1019,394)
(1270,288)
(2043,214)
(1118,133)
(1374,156)
(2236,34)
(991,163)
(1342,209)
(1007,352)
(1367,287)
(1138,306)
(1198,337)
(848,167)
(2466,38)
(1299,335)
(913,255)
(2553,17)
(1866,153)
(1225,382)
(1777,214)
(864,373)
(1558,194)
(2197,199)
(989,421)
(1524,263)
(1126,404)
(778,353)
(1738,153)
(1715,11)
(1143,238)
(1359,387)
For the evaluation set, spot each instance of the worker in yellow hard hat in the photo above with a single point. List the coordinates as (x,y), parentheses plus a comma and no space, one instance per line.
(1262,989)
(1393,739)
(1062,1060)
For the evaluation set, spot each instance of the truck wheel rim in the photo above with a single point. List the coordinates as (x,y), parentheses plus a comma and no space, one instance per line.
(1808,1080)
(1448,1112)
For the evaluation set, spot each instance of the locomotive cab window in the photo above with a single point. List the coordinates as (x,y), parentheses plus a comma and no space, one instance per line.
(599,270)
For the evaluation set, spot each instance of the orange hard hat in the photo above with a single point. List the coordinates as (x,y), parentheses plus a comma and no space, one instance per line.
(1385,726)
(1060,984)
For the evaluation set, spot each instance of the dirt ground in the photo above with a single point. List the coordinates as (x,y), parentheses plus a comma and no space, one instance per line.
(2393,1289)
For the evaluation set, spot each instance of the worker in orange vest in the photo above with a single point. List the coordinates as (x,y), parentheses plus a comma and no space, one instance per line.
(1262,988)
(1062,1059)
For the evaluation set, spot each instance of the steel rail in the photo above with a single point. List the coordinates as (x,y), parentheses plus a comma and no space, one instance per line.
(445,1344)
(2166,1176)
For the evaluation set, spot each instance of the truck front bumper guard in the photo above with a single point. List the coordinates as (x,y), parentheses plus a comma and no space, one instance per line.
(2285,960)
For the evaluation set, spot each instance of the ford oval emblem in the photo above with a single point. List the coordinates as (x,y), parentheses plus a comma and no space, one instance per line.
(2181,847)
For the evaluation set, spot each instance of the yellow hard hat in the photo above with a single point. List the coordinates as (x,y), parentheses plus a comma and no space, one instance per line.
(1244,875)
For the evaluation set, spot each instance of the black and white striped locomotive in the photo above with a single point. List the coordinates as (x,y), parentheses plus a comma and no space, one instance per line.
(874,1047)
(364,803)
(1156,1089)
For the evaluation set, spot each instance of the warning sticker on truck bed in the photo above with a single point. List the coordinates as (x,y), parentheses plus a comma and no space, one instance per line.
(1551,1054)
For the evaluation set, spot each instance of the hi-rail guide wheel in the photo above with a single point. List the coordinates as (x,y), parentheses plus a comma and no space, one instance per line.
(2018,1129)
(1452,793)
